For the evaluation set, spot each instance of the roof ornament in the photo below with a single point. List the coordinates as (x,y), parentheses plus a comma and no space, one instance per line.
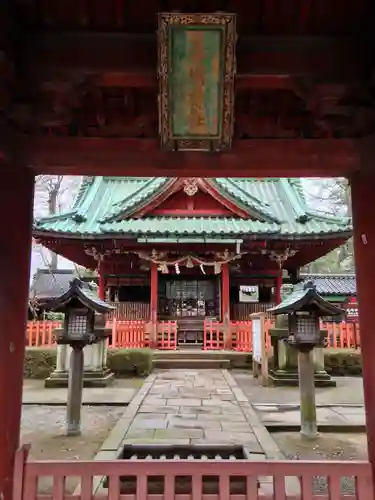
(191,186)
(281,256)
(93,252)
(163,259)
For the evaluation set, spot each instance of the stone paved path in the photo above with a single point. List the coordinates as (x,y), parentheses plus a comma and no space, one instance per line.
(334,416)
(195,407)
(186,406)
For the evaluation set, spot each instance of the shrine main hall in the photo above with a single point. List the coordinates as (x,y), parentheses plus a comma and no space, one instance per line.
(173,89)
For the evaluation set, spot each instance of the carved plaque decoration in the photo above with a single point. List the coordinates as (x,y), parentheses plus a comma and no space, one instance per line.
(196,81)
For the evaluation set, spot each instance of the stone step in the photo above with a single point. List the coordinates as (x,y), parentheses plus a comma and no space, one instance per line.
(193,354)
(168,363)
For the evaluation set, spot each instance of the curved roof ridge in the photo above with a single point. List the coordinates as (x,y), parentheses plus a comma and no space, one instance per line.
(135,198)
(86,182)
(296,183)
(245,198)
(294,199)
(329,218)
(88,199)
(328,275)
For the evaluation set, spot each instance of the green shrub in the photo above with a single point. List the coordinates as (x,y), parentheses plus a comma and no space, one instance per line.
(343,361)
(130,362)
(39,362)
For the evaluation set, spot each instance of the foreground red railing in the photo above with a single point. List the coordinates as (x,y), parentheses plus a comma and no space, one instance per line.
(131,334)
(40,333)
(127,334)
(235,479)
(213,335)
(167,335)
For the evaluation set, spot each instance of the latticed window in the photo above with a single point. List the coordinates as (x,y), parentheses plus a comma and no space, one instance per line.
(184,298)
(77,326)
(306,326)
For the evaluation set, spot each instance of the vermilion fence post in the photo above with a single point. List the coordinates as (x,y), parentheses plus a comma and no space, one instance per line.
(131,334)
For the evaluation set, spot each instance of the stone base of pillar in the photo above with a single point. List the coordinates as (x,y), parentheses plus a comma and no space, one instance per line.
(289,378)
(286,371)
(101,378)
(96,374)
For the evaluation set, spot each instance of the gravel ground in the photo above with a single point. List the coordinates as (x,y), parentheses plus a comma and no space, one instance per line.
(44,428)
(327,447)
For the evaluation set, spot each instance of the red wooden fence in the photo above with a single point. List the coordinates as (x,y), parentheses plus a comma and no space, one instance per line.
(132,334)
(241,335)
(202,479)
(167,335)
(213,335)
(127,334)
(40,333)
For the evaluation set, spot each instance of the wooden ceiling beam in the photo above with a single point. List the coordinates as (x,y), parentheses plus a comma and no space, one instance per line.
(323,58)
(143,79)
(143,157)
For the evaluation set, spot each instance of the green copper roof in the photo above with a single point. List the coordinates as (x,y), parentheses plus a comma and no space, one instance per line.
(303,296)
(276,208)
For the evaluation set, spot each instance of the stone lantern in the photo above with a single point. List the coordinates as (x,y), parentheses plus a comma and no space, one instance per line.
(304,308)
(84,324)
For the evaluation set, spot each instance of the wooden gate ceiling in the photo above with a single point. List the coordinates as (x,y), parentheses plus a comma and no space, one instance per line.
(78,88)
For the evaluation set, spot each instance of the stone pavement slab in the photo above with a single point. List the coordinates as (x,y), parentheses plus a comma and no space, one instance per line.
(349,390)
(34,393)
(192,406)
(181,407)
(340,417)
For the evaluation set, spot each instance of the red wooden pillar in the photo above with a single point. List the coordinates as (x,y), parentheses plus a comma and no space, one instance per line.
(279,284)
(154,304)
(225,305)
(16,205)
(101,281)
(362,186)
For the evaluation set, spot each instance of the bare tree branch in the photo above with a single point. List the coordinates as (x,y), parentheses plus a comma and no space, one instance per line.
(50,191)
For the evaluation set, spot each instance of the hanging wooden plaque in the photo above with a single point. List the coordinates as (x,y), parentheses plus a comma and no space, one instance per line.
(196,80)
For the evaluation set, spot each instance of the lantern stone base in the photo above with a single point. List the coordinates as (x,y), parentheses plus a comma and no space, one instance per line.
(286,378)
(285,373)
(95,374)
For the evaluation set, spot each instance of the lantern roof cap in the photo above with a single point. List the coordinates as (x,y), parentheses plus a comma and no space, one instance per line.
(86,293)
(305,297)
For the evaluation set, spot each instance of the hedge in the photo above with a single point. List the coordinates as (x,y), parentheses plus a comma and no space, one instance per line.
(130,362)
(39,362)
(343,362)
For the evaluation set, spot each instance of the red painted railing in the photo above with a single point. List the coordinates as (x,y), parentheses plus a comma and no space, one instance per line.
(201,479)
(213,335)
(132,334)
(343,335)
(167,335)
(241,336)
(40,333)
(127,334)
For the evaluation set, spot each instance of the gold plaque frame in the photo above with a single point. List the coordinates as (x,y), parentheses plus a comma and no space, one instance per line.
(227,23)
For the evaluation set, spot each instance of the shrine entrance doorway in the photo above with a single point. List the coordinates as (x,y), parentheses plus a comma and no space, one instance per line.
(189,301)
